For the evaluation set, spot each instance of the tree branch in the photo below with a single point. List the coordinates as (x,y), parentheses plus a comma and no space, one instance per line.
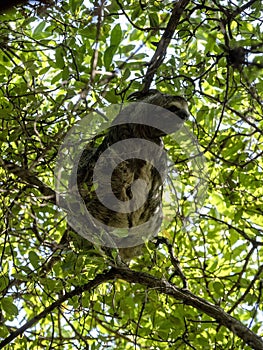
(160,52)
(99,279)
(214,311)
(30,179)
(242,8)
(163,286)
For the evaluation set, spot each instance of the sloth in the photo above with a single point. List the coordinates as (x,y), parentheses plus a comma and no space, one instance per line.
(136,180)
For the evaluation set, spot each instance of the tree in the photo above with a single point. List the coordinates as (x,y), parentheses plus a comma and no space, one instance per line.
(58,64)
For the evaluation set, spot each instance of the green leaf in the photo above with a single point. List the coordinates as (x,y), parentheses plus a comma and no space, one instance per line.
(126,74)
(34,259)
(74,4)
(56,78)
(218,288)
(19,70)
(154,20)
(59,55)
(9,307)
(89,32)
(116,35)
(3,282)
(3,331)
(108,56)
(38,31)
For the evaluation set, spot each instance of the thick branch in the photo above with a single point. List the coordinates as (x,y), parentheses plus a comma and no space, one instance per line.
(160,52)
(162,286)
(214,311)
(30,179)
(242,8)
(99,279)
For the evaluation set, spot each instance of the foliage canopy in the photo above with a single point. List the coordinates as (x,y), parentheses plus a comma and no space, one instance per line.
(60,61)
